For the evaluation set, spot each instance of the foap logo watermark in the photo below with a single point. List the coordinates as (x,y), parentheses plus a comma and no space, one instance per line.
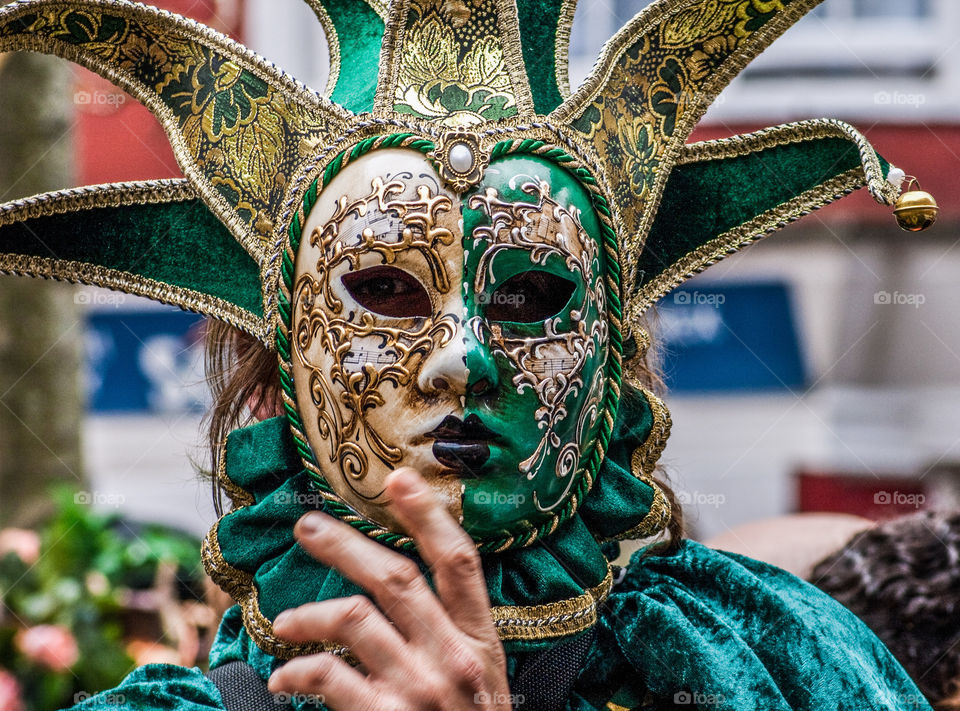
(909,701)
(106,699)
(498,698)
(700,498)
(283,698)
(297,498)
(500,299)
(697,298)
(899,98)
(899,298)
(495,498)
(98,498)
(897,498)
(100,99)
(698,699)
(99,298)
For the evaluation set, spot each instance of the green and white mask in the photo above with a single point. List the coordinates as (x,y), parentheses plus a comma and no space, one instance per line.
(448,248)
(465,335)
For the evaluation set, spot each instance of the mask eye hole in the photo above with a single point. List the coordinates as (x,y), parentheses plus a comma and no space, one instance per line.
(388,291)
(529,297)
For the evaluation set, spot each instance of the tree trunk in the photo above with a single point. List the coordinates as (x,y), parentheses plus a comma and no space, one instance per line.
(41,326)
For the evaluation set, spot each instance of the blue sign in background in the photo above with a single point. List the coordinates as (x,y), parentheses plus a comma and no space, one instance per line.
(144,361)
(731,337)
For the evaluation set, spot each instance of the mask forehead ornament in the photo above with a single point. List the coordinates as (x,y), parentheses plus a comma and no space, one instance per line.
(449,251)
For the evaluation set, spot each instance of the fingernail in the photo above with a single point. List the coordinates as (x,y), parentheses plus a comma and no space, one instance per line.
(311,524)
(282,618)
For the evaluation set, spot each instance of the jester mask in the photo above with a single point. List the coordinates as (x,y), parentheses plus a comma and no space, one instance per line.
(449,250)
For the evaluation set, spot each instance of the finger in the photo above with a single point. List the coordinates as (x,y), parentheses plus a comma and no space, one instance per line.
(394,582)
(353,621)
(332,680)
(447,549)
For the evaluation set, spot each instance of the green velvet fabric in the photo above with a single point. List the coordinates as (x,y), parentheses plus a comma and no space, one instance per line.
(538,21)
(696,629)
(359,34)
(177,243)
(704,200)
(712,630)
(700,629)
(158,687)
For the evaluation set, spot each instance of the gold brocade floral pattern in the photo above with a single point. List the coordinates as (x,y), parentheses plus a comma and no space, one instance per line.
(660,79)
(453,65)
(230,122)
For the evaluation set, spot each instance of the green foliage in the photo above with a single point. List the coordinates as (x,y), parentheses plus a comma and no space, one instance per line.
(88,562)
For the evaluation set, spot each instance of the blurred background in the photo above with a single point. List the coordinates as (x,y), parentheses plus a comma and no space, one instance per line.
(819,370)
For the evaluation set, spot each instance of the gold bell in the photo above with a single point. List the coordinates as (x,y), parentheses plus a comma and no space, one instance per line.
(916,210)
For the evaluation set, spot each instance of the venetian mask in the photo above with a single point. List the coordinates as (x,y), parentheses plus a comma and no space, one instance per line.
(448,247)
(463,334)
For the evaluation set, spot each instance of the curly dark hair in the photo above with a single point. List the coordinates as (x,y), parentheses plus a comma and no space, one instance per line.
(902,578)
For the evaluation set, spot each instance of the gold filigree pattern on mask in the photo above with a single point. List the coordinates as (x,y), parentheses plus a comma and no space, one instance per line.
(551,365)
(367,355)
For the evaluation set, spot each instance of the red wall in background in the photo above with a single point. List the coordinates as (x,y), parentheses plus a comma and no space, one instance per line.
(118,139)
(875,498)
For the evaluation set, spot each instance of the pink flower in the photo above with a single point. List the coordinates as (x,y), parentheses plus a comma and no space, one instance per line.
(51,646)
(11,698)
(25,543)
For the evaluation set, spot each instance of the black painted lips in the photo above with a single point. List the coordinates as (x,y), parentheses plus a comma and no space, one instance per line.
(462,445)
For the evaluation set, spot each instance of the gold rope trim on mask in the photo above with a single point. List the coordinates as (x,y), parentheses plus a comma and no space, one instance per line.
(333,44)
(561,47)
(656,520)
(293,207)
(238,496)
(509,31)
(389,72)
(95,275)
(732,241)
(381,7)
(90,197)
(646,456)
(554,619)
(747,144)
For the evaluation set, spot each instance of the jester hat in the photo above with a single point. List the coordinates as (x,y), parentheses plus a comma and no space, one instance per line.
(473,94)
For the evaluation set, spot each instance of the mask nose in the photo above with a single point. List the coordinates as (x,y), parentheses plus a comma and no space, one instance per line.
(445,368)
(463,366)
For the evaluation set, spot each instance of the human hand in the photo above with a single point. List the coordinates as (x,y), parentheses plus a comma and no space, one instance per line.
(419,650)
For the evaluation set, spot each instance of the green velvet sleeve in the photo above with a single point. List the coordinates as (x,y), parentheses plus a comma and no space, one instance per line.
(158,687)
(710,630)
